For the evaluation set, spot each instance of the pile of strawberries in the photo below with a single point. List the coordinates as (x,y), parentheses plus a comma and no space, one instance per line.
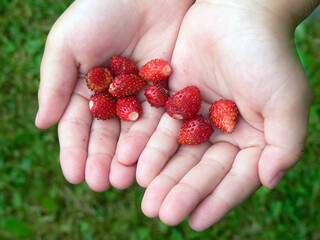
(115,88)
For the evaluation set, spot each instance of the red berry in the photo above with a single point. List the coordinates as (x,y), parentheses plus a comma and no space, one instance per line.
(129,108)
(185,103)
(164,84)
(195,131)
(125,85)
(224,115)
(156,95)
(123,66)
(99,79)
(102,106)
(156,70)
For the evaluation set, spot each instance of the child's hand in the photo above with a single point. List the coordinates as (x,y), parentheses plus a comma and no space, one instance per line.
(88,34)
(231,51)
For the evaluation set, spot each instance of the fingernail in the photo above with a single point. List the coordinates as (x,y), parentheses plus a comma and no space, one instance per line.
(36,120)
(275,181)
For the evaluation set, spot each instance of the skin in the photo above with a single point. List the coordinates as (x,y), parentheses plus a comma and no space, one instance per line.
(240,51)
(88,34)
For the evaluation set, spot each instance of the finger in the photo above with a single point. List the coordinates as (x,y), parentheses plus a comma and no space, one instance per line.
(197,183)
(58,76)
(161,146)
(121,176)
(186,158)
(286,123)
(135,139)
(73,131)
(102,145)
(241,182)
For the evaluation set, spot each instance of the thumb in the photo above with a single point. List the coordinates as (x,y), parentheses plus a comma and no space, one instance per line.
(58,76)
(286,118)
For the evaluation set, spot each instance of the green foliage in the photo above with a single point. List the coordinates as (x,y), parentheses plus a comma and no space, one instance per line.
(36,202)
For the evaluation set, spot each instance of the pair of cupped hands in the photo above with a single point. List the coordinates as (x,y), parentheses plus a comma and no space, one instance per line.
(234,50)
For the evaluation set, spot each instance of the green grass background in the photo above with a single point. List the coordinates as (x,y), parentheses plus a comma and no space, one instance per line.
(36,202)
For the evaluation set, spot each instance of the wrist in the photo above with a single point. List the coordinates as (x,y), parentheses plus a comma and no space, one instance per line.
(298,10)
(288,13)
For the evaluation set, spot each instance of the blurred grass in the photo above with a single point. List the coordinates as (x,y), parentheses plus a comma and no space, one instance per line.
(37,203)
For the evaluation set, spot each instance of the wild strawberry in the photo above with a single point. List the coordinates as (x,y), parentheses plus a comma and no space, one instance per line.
(99,79)
(195,131)
(164,84)
(125,85)
(102,106)
(129,108)
(123,66)
(156,95)
(224,115)
(156,70)
(185,103)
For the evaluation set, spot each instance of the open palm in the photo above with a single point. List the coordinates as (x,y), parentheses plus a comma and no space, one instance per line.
(87,35)
(228,51)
